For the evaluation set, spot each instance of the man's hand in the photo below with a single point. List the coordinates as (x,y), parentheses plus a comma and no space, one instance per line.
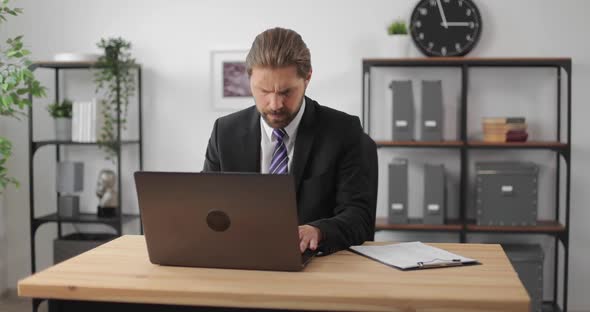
(309,237)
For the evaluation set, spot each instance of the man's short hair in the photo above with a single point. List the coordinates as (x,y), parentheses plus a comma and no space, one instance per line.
(279,47)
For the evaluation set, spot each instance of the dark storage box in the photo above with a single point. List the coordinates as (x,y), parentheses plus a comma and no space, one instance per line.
(74,244)
(527,261)
(506,193)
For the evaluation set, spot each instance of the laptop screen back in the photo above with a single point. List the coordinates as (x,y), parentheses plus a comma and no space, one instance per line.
(220,220)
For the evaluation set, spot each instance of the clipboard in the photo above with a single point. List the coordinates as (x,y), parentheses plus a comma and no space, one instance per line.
(412,255)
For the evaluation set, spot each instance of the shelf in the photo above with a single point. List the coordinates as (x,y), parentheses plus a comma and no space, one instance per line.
(86,218)
(543,227)
(38,144)
(557,146)
(66,65)
(550,145)
(117,223)
(423,144)
(54,64)
(417,225)
(465,66)
(470,61)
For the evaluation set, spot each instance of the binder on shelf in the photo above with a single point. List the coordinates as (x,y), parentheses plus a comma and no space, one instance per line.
(403,110)
(93,120)
(432,110)
(398,191)
(84,121)
(452,199)
(412,255)
(78,121)
(75,122)
(434,194)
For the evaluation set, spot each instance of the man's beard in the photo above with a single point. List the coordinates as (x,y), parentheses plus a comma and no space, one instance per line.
(286,118)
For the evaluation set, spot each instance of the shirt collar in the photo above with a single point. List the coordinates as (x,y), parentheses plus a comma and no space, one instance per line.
(291,128)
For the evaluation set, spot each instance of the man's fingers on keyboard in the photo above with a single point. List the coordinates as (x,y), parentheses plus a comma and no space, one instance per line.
(304,243)
(313,244)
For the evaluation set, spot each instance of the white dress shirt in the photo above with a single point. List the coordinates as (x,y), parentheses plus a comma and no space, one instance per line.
(268,141)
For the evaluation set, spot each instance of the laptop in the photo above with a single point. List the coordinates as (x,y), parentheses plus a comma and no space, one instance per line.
(220,220)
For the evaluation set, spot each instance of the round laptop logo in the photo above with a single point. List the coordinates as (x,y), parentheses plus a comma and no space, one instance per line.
(218,220)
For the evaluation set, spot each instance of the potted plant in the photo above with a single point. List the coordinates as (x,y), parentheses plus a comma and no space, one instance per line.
(399,38)
(62,116)
(16,83)
(114,76)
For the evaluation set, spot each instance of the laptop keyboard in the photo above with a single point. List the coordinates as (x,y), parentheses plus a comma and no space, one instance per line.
(307,255)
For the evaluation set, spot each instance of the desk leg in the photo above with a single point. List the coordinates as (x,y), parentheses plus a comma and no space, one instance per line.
(36,304)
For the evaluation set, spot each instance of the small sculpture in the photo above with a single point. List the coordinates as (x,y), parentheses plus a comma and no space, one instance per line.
(108,197)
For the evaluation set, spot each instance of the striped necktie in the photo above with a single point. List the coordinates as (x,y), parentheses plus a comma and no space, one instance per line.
(280,159)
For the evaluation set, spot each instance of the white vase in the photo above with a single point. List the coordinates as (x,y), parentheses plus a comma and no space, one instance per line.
(2,247)
(399,46)
(63,129)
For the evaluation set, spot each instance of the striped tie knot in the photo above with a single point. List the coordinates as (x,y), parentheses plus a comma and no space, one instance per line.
(280,159)
(279,133)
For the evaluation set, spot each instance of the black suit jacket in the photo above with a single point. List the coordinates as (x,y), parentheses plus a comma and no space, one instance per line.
(332,185)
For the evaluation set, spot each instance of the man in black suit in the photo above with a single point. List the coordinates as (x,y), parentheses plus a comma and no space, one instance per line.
(289,133)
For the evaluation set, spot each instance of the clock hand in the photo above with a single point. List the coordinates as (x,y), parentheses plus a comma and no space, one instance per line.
(442,14)
(455,24)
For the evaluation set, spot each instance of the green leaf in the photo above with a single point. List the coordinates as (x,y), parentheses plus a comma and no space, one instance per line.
(15,98)
(7,100)
(27,73)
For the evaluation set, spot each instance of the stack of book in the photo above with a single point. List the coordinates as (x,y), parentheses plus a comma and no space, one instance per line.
(504,129)
(85,116)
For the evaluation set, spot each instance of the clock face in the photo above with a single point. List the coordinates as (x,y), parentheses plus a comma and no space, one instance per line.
(445,27)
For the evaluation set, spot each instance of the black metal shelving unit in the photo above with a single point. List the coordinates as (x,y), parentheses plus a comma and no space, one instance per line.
(115,222)
(558,228)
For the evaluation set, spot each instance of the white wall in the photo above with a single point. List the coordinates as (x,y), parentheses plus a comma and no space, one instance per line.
(3,249)
(173,39)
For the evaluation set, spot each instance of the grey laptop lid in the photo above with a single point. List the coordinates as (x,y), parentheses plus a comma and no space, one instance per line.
(220,220)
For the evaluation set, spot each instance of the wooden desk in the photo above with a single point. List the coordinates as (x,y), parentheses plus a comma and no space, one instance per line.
(120,271)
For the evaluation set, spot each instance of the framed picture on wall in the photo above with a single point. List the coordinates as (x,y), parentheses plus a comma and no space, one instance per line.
(230,86)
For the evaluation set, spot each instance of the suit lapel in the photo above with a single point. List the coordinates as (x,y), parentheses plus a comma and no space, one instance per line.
(249,142)
(304,141)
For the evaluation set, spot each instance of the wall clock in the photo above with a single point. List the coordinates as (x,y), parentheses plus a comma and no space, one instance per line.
(445,27)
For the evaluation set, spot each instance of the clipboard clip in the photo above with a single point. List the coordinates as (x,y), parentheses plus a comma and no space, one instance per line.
(438,263)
